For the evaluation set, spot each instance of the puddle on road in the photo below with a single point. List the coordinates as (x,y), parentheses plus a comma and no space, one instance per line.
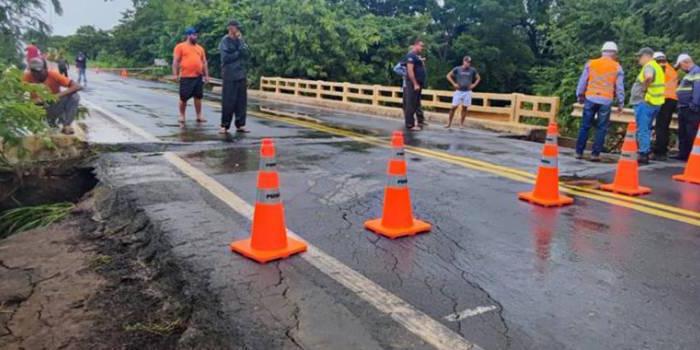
(352,146)
(229,160)
(200,134)
(140,109)
(586,182)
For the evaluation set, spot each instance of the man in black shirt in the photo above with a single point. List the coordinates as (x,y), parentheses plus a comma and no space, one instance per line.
(415,80)
(234,94)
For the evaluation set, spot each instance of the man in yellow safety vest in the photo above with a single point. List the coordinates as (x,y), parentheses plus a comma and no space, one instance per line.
(647,97)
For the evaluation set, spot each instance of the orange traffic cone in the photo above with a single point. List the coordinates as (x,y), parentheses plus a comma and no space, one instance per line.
(627,176)
(546,191)
(268,240)
(552,134)
(397,217)
(692,169)
(124,73)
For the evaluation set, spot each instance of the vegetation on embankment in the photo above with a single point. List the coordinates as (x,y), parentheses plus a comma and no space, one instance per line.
(33,161)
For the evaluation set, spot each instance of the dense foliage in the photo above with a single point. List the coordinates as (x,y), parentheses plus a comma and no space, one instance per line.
(22,19)
(536,46)
(19,115)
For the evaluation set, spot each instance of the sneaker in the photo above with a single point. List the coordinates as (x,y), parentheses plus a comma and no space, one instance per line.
(643,158)
(579,155)
(595,158)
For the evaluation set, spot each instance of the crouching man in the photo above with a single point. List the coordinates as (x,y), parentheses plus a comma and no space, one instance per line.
(65,109)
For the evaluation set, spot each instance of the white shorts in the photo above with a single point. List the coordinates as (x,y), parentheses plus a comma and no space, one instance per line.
(462,98)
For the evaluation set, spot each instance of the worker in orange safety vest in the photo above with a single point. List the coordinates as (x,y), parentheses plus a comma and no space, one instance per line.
(663,120)
(600,84)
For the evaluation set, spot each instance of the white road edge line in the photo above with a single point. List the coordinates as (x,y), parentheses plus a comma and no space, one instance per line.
(119,120)
(414,320)
(458,316)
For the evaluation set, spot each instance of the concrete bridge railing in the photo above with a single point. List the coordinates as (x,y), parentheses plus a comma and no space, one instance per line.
(625,117)
(510,108)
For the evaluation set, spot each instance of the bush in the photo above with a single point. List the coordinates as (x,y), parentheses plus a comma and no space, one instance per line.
(19,115)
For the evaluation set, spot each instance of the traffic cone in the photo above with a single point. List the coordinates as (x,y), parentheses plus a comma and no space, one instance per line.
(692,169)
(552,134)
(546,191)
(627,176)
(397,217)
(268,240)
(124,73)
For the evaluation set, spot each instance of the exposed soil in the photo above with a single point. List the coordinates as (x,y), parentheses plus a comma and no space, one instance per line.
(101,279)
(44,183)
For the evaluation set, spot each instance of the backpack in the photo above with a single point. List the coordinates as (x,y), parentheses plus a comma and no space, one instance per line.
(400,69)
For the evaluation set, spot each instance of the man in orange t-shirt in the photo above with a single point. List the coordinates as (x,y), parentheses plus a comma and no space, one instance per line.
(190,69)
(65,109)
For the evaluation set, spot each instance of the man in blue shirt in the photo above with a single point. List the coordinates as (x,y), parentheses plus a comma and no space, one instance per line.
(413,86)
(688,105)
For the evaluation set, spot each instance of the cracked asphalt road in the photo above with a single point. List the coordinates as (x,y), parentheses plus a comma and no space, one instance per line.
(588,276)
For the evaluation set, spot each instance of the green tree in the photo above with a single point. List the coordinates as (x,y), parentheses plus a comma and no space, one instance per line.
(16,18)
(87,39)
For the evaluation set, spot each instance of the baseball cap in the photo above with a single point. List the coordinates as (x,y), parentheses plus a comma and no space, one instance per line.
(645,51)
(682,57)
(37,64)
(190,31)
(658,55)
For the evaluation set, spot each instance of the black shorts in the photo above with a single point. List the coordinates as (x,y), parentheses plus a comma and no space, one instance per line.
(191,87)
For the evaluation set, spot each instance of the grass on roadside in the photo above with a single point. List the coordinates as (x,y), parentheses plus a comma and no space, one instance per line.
(27,218)
(159,328)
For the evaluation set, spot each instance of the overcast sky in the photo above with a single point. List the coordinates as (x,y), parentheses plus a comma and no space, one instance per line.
(99,13)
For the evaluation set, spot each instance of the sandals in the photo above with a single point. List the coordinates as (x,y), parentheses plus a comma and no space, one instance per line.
(242,130)
(181,122)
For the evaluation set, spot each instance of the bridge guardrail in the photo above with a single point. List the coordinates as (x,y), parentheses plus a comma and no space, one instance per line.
(626,116)
(506,107)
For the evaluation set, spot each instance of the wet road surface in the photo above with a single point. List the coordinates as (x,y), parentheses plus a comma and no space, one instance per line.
(590,276)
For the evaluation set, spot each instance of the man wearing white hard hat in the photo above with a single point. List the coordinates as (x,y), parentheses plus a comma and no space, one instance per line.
(601,83)
(688,105)
(663,119)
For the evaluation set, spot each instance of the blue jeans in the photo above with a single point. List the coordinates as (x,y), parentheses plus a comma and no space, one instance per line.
(644,115)
(601,124)
(82,76)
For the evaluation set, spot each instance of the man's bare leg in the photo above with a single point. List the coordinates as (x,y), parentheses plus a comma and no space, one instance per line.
(452,115)
(198,109)
(183,109)
(464,116)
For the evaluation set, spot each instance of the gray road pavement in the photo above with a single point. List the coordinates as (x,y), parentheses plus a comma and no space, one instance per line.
(590,276)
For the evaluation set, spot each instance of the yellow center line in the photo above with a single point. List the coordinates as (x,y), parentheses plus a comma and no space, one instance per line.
(639,204)
(645,206)
(529,177)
